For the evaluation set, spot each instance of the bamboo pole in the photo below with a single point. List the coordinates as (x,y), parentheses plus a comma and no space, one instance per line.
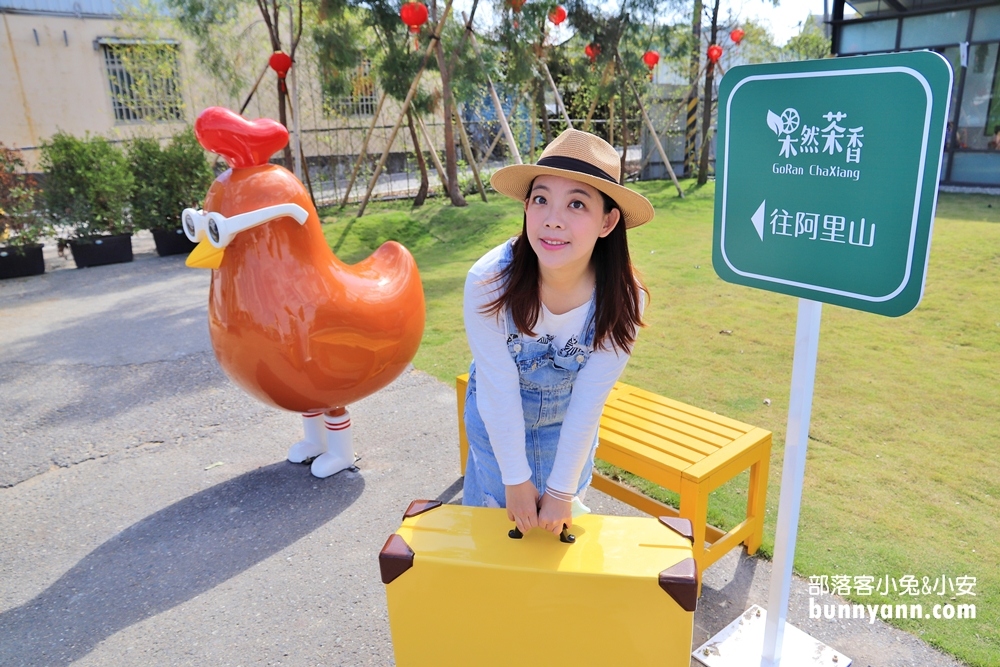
(559,99)
(605,77)
(406,105)
(303,164)
(469,157)
(442,175)
(489,151)
(363,151)
(496,103)
(253,90)
(496,140)
(649,126)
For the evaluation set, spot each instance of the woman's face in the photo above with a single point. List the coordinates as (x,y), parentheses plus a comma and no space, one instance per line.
(564,220)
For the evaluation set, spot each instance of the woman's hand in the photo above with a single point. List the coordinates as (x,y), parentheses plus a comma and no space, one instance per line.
(555,513)
(522,505)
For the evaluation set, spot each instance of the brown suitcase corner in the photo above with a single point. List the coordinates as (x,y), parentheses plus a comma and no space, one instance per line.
(396,558)
(420,506)
(680,581)
(680,526)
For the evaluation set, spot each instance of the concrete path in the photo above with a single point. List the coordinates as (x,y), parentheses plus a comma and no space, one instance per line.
(149,517)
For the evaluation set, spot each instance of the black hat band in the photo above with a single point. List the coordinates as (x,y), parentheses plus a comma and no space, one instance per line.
(573,164)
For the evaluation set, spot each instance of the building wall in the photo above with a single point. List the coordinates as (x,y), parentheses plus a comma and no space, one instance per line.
(59,82)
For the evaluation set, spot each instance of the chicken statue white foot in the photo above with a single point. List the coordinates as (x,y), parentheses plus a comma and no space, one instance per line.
(328,441)
(314,442)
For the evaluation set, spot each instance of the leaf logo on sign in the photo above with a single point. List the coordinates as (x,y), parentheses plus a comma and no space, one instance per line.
(774,122)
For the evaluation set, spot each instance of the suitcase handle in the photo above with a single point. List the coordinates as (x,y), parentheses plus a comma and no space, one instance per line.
(564,537)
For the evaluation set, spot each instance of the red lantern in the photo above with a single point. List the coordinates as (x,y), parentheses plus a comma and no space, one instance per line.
(593,50)
(651,58)
(516,4)
(557,15)
(737,35)
(280,62)
(413,14)
(714,53)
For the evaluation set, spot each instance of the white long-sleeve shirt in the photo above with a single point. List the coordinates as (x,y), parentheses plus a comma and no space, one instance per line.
(498,392)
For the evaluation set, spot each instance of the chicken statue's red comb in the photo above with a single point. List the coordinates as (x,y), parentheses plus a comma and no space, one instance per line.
(243,143)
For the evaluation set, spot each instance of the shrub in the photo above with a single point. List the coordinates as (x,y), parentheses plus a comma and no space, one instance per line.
(20,224)
(167,181)
(87,186)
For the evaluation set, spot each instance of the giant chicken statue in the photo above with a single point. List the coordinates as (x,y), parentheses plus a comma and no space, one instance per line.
(290,323)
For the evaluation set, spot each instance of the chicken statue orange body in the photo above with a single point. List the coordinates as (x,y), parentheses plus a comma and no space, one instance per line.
(289,322)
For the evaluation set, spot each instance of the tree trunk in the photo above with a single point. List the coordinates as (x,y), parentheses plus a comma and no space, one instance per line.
(540,95)
(450,156)
(283,119)
(533,124)
(706,118)
(624,115)
(424,181)
(691,124)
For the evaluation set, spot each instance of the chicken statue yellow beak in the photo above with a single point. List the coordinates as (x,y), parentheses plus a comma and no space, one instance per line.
(205,256)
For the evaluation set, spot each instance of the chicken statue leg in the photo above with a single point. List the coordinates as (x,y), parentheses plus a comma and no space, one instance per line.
(313,443)
(290,323)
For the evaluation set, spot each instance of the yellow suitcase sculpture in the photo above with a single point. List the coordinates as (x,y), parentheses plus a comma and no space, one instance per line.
(463,590)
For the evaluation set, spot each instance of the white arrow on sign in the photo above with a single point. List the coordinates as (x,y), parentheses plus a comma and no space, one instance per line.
(758,220)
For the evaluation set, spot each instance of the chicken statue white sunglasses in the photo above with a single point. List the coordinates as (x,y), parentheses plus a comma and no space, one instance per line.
(220,230)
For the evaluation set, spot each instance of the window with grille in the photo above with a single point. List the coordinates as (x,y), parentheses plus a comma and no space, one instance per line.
(145,81)
(362,99)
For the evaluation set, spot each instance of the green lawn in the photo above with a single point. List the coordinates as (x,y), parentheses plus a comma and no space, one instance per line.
(903,475)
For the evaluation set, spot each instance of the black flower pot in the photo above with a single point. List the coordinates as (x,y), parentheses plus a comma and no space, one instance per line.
(172,242)
(101,250)
(21,261)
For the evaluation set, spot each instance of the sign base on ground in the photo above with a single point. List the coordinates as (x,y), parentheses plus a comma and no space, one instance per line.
(739,644)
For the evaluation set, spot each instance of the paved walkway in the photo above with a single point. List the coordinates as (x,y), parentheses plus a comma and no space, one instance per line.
(149,517)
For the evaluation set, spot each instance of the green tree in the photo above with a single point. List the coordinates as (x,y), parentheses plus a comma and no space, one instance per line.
(87,186)
(167,180)
(810,44)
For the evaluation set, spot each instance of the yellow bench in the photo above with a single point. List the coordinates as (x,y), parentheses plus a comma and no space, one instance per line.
(679,447)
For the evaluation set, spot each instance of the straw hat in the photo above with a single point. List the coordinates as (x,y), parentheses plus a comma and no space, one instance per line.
(582,157)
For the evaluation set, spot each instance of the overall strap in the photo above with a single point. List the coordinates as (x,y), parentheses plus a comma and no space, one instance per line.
(506,257)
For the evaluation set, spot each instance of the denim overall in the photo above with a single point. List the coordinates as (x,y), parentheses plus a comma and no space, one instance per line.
(546,376)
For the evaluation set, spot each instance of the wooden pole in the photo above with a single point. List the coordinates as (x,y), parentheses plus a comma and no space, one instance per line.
(496,103)
(605,77)
(442,175)
(469,157)
(652,130)
(559,100)
(363,152)
(253,90)
(303,164)
(496,140)
(406,105)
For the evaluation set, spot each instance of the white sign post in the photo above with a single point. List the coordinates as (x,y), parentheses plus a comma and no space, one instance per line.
(793,474)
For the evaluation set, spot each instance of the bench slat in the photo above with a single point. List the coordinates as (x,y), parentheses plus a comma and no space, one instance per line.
(728,422)
(609,441)
(656,435)
(657,423)
(682,416)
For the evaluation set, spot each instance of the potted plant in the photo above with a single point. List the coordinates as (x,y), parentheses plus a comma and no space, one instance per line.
(21,228)
(167,181)
(87,189)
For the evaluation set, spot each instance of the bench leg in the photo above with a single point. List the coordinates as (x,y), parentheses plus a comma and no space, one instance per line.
(756,496)
(694,507)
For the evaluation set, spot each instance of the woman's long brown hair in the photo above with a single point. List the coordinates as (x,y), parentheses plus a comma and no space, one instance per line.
(617,316)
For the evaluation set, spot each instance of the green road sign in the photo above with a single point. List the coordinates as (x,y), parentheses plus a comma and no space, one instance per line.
(826,177)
